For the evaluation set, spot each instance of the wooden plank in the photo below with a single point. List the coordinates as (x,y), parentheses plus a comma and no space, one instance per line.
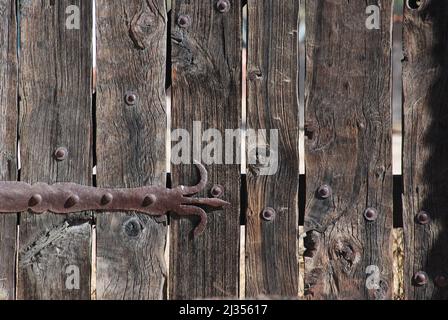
(271,246)
(8,140)
(206,87)
(348,148)
(55,111)
(131,54)
(425,156)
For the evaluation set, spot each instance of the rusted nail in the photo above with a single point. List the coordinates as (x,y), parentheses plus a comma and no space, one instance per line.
(268,214)
(324,191)
(217,191)
(223,6)
(183,21)
(441,281)
(61,154)
(423,218)
(72,201)
(149,200)
(420,279)
(107,198)
(130,98)
(371,214)
(35,200)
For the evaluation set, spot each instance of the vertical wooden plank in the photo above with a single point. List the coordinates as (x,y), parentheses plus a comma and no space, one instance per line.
(8,140)
(348,148)
(271,246)
(131,54)
(55,111)
(206,87)
(425,155)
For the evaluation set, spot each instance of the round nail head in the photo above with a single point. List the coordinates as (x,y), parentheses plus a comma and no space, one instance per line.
(217,191)
(71,201)
(420,279)
(268,214)
(371,214)
(324,192)
(183,21)
(423,218)
(35,200)
(130,98)
(149,200)
(61,154)
(223,6)
(107,198)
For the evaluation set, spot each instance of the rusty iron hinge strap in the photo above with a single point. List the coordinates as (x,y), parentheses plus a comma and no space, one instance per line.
(64,198)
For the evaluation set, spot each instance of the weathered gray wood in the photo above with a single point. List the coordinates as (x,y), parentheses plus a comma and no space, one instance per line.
(271,247)
(8,140)
(55,111)
(131,54)
(206,87)
(425,156)
(348,147)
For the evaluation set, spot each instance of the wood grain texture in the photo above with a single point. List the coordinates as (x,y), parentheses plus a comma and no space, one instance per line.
(55,111)
(271,247)
(348,147)
(425,155)
(131,54)
(206,87)
(8,140)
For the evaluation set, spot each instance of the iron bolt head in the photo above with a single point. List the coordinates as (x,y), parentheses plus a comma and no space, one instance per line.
(61,154)
(149,200)
(130,98)
(107,198)
(223,6)
(72,201)
(441,281)
(420,279)
(183,21)
(423,218)
(268,214)
(324,191)
(35,200)
(371,214)
(217,191)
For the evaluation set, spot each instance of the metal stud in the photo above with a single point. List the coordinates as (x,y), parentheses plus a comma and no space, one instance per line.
(423,218)
(268,214)
(107,198)
(72,201)
(371,214)
(217,191)
(223,6)
(149,200)
(420,279)
(35,200)
(61,154)
(130,98)
(324,191)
